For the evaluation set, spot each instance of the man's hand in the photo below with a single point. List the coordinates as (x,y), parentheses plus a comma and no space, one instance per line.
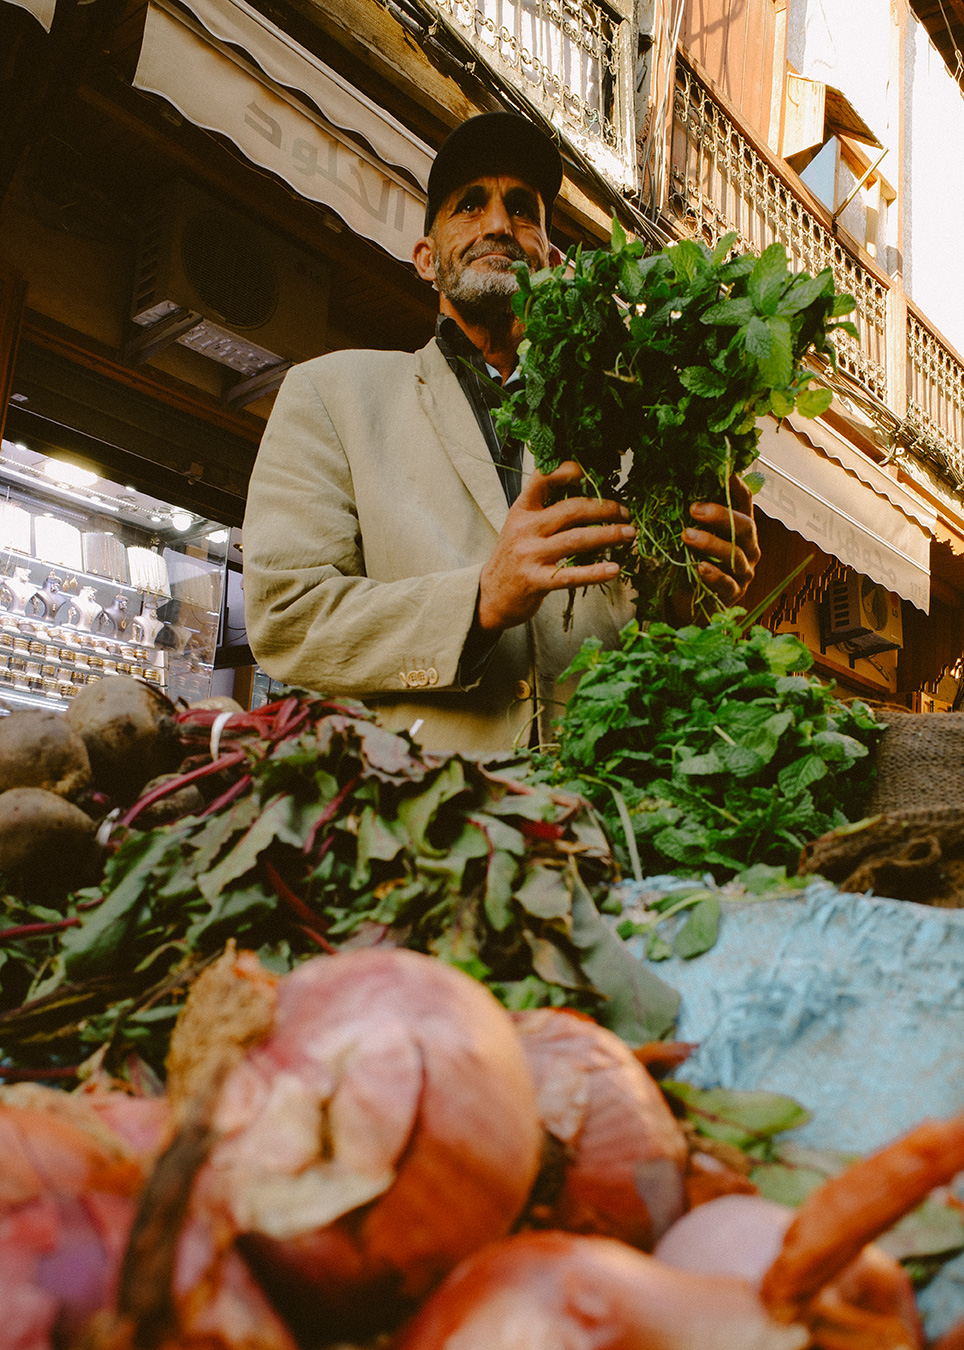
(730,552)
(531,556)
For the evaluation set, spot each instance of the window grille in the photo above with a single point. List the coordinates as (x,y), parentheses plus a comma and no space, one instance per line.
(567,57)
(719,182)
(934,424)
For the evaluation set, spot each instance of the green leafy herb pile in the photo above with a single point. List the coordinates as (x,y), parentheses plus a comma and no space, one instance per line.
(712,747)
(672,358)
(329,831)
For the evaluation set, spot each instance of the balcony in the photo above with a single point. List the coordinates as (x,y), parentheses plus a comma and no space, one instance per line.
(912,379)
(571,59)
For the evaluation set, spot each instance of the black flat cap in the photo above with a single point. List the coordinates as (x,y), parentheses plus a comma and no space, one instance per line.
(494,143)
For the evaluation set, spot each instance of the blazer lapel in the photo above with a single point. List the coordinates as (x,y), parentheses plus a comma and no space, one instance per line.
(450,413)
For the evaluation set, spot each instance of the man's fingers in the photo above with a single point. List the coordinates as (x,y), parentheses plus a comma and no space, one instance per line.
(561,543)
(567,574)
(728,556)
(538,488)
(724,586)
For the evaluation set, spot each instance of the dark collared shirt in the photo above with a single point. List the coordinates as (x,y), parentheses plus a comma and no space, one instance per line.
(482,387)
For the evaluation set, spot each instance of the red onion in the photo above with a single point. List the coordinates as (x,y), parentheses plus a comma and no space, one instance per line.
(69,1188)
(737,1235)
(385,1129)
(560,1291)
(67,1200)
(625,1153)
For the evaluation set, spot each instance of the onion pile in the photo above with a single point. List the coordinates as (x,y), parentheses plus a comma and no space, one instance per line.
(350,1150)
(624,1153)
(382,1130)
(869,1303)
(559,1291)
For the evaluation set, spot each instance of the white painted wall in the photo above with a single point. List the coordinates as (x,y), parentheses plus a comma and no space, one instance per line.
(847,43)
(933,187)
(852,44)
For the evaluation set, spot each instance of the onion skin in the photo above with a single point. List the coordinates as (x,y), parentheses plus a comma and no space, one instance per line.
(70,1179)
(385,1129)
(868,1306)
(67,1200)
(563,1291)
(626,1154)
(709,1178)
(737,1235)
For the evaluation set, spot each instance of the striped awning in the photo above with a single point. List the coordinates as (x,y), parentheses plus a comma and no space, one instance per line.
(227,69)
(836,498)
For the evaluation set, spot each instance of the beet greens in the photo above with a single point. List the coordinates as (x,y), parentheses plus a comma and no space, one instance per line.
(672,358)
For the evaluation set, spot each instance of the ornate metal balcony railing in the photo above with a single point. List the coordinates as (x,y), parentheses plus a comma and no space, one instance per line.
(720,182)
(568,57)
(934,422)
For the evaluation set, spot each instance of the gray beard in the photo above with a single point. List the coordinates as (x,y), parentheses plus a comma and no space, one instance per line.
(478,296)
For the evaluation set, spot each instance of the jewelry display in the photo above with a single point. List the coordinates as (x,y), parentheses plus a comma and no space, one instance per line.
(82,609)
(16,590)
(148,571)
(78,605)
(113,620)
(105,556)
(45,602)
(57,542)
(146,626)
(15,525)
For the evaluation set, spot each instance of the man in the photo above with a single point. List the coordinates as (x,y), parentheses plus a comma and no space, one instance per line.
(394,549)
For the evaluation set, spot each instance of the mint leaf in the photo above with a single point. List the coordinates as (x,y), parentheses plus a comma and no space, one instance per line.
(703,381)
(700,930)
(768,278)
(814,402)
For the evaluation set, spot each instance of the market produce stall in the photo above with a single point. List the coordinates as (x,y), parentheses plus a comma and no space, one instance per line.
(367,1045)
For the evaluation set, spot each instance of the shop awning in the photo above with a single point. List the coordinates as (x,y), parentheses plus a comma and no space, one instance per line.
(830,494)
(40,9)
(225,68)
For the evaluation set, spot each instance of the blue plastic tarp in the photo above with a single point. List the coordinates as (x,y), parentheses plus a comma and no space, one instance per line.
(851,1004)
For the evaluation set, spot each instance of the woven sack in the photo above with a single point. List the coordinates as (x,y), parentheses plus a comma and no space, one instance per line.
(915,854)
(920,762)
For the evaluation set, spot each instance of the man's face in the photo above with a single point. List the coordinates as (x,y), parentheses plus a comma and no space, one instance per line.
(479,232)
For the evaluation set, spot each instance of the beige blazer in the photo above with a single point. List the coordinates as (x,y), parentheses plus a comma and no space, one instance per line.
(373,505)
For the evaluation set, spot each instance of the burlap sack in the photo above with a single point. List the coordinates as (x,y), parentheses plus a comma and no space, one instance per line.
(916,854)
(920,762)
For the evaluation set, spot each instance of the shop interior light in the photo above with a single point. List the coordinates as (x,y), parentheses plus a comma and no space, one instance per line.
(219,536)
(181,521)
(68,474)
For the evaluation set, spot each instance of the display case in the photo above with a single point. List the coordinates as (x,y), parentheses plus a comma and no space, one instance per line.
(100,579)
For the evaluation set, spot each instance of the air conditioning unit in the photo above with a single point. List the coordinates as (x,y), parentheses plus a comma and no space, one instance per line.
(258,300)
(863,616)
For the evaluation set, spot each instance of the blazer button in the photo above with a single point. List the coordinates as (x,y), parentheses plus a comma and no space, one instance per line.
(523,689)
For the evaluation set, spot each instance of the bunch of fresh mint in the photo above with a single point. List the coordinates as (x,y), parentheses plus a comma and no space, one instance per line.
(712,747)
(652,372)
